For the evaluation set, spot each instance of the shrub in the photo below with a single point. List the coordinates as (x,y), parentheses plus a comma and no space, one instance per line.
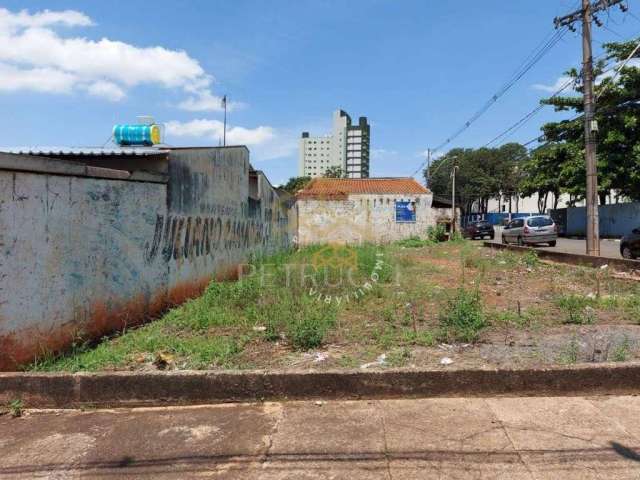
(309,331)
(622,351)
(463,318)
(530,259)
(15,408)
(577,308)
(570,353)
(412,242)
(437,233)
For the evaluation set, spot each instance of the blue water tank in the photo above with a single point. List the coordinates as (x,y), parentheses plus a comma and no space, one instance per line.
(136,134)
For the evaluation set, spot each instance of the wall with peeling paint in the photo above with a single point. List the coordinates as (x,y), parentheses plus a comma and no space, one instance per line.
(82,255)
(362,218)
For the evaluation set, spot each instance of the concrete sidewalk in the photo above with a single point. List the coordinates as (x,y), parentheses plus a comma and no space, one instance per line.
(507,438)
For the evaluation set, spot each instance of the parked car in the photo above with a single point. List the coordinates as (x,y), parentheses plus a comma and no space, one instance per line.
(531,231)
(479,229)
(630,244)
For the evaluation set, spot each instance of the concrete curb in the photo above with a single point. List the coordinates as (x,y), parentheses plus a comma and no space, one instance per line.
(619,264)
(128,389)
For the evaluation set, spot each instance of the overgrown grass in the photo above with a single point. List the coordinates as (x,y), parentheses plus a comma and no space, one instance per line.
(622,351)
(437,233)
(414,242)
(463,318)
(578,309)
(290,297)
(570,353)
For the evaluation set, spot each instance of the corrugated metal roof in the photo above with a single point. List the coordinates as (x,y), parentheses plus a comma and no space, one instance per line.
(342,187)
(85,151)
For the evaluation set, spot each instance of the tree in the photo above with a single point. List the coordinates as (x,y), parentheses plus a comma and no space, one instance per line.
(617,114)
(296,183)
(541,175)
(482,174)
(334,172)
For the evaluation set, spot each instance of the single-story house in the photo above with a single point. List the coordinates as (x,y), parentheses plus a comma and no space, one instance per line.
(377,210)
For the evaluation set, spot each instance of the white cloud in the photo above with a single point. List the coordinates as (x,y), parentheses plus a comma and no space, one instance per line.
(560,82)
(46,80)
(30,45)
(266,143)
(213,130)
(205,101)
(108,90)
(45,18)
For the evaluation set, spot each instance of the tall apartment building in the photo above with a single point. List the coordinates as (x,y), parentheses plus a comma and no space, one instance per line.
(347,147)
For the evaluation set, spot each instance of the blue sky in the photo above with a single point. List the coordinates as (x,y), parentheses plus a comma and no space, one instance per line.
(416,68)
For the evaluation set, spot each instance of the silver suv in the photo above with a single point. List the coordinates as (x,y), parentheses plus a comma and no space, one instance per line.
(531,231)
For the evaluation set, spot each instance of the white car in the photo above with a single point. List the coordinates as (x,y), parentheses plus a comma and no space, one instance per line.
(531,231)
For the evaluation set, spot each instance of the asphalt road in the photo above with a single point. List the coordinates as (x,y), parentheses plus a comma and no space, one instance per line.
(439,438)
(608,248)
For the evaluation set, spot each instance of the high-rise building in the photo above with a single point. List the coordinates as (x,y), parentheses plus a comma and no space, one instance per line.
(347,147)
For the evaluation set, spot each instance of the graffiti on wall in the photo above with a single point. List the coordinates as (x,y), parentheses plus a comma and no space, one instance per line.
(186,237)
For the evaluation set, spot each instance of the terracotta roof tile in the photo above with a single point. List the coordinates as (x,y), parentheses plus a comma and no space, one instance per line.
(342,187)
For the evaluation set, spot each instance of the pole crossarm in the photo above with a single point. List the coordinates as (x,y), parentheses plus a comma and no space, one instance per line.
(573,17)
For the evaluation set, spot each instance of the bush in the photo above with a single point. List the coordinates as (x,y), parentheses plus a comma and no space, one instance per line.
(578,309)
(463,318)
(413,242)
(309,331)
(437,233)
(530,259)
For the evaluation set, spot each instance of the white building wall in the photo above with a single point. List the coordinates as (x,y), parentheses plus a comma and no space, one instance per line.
(363,218)
(526,204)
(315,156)
(343,148)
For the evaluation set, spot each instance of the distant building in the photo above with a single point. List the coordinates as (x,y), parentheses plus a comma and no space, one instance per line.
(347,147)
(377,210)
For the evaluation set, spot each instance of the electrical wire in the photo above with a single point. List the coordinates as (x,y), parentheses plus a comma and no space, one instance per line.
(530,61)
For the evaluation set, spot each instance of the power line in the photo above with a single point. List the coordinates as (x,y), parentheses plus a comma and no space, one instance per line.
(534,57)
(529,115)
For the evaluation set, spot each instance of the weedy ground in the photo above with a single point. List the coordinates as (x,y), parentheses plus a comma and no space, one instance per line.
(407,304)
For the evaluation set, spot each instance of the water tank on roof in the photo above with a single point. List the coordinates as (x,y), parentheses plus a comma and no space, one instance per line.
(137,134)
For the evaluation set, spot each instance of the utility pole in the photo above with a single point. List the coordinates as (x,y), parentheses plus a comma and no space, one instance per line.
(453,200)
(586,14)
(590,128)
(428,166)
(224,128)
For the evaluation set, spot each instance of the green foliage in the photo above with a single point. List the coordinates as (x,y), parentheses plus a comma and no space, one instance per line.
(622,351)
(560,164)
(570,353)
(310,330)
(334,172)
(413,242)
(578,309)
(482,174)
(530,259)
(437,233)
(399,357)
(463,317)
(632,306)
(296,183)
(15,408)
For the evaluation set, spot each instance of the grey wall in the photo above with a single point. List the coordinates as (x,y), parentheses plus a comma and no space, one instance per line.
(83,254)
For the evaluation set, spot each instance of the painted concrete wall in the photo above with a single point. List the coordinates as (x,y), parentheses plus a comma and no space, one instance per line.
(81,256)
(362,218)
(616,219)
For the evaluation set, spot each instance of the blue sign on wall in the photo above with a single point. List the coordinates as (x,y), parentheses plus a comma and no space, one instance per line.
(405,212)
